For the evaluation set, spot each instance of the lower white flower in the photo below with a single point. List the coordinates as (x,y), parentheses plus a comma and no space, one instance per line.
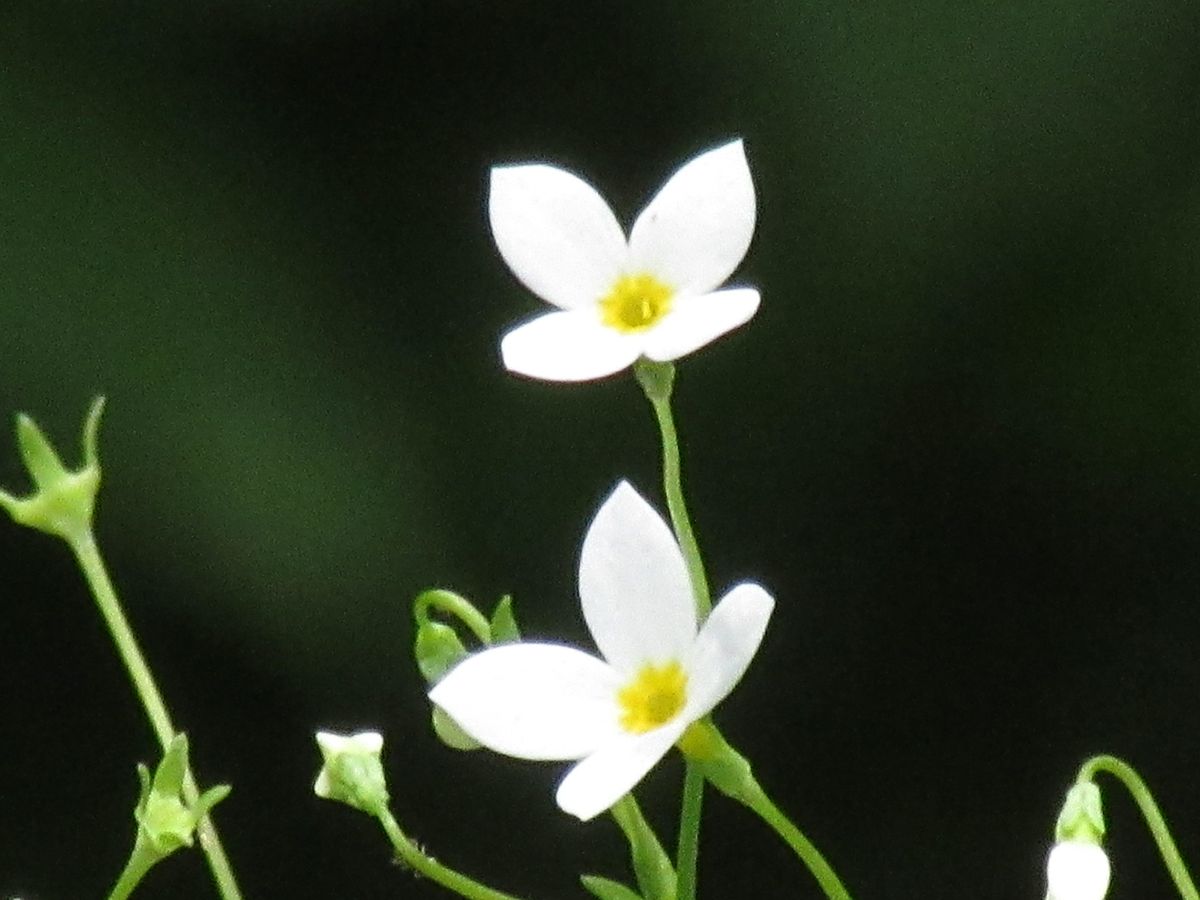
(659,673)
(1077,870)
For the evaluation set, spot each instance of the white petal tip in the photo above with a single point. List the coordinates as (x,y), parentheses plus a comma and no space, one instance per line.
(321,787)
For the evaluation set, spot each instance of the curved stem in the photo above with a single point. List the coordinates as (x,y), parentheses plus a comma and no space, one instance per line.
(1157,824)
(88,554)
(451,604)
(657,381)
(412,856)
(758,801)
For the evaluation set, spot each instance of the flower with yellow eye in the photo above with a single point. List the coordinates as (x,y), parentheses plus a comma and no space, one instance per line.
(658,671)
(653,295)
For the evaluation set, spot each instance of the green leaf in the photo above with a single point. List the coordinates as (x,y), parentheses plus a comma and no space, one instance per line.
(209,799)
(437,648)
(168,777)
(607,889)
(504,623)
(450,732)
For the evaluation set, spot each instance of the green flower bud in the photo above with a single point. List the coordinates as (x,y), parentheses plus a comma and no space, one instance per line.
(438,649)
(352,773)
(1082,815)
(165,821)
(63,499)
(727,770)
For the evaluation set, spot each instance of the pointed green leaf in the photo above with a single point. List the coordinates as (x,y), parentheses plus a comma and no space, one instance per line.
(607,889)
(144,785)
(504,623)
(209,799)
(437,648)
(91,431)
(41,460)
(450,732)
(168,777)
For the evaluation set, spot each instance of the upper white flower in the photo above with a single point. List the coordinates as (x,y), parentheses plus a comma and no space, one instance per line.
(621,713)
(652,295)
(1077,870)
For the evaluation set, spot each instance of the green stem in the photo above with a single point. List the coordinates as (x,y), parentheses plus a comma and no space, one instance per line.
(451,604)
(1137,788)
(140,862)
(688,853)
(757,800)
(657,381)
(431,868)
(84,546)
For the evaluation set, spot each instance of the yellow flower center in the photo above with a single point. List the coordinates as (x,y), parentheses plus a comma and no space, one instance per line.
(635,303)
(653,698)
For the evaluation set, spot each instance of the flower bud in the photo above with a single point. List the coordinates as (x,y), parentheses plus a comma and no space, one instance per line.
(165,821)
(352,773)
(1077,870)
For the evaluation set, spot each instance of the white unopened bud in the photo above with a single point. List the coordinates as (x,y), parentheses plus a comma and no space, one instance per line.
(1077,870)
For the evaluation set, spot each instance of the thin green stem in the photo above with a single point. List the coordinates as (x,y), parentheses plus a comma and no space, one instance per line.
(1157,824)
(658,391)
(658,381)
(418,861)
(758,801)
(140,862)
(451,604)
(88,554)
(688,853)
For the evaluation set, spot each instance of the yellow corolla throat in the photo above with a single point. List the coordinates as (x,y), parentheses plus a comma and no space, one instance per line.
(635,303)
(653,698)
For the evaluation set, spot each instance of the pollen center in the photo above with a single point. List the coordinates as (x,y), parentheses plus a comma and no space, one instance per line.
(653,698)
(635,303)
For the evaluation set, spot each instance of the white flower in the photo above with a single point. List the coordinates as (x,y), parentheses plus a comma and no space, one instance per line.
(1077,870)
(619,714)
(654,295)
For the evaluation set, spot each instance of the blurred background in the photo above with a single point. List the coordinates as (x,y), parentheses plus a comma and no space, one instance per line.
(960,442)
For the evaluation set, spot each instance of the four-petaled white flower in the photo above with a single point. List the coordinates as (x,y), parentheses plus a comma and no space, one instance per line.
(619,715)
(654,295)
(1077,870)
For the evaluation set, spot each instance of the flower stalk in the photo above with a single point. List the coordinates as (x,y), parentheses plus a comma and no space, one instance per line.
(657,380)
(62,504)
(1155,820)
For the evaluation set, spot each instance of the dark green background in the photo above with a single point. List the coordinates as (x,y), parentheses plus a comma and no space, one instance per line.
(960,442)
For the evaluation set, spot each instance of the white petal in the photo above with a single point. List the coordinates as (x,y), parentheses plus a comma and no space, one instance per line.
(696,230)
(322,787)
(568,346)
(633,584)
(694,321)
(361,742)
(726,644)
(533,701)
(1077,870)
(556,233)
(603,778)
